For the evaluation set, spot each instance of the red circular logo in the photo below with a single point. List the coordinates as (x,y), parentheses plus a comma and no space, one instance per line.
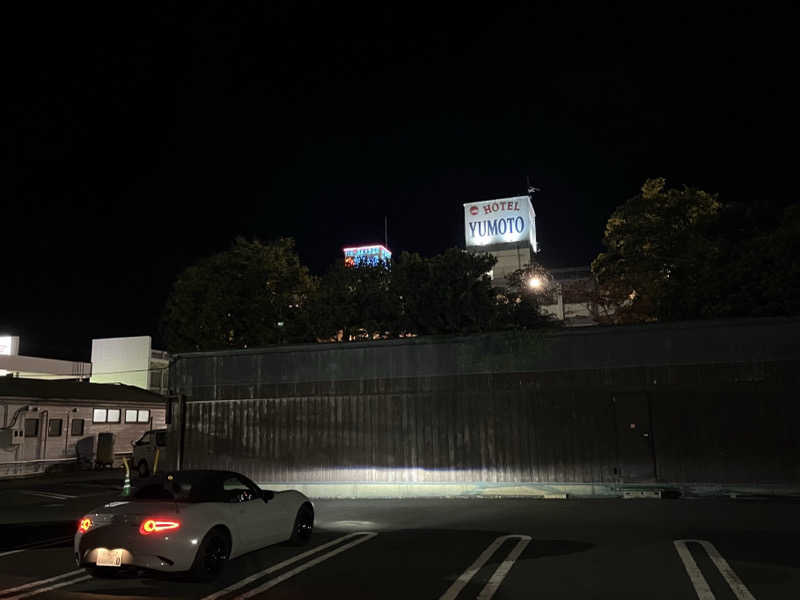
(473,210)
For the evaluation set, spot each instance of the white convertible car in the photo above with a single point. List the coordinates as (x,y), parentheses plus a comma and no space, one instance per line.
(190,521)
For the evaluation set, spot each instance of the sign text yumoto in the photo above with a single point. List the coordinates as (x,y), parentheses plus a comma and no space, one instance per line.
(500,221)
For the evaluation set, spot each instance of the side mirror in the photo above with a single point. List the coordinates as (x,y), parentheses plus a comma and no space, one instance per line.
(267,495)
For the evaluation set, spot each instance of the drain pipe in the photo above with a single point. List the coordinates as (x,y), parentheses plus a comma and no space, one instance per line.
(45,419)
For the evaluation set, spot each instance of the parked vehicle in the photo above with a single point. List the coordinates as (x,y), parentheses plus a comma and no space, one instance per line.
(190,521)
(153,443)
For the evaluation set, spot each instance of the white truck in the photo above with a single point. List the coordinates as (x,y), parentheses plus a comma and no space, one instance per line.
(145,450)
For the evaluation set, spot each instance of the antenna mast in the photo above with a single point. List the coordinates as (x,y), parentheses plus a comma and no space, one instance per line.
(531,190)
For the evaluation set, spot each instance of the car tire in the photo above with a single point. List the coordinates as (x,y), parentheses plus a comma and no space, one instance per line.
(143,470)
(303,526)
(212,554)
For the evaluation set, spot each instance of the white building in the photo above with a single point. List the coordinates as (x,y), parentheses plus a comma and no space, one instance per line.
(130,361)
(126,360)
(569,296)
(14,365)
(504,228)
(47,424)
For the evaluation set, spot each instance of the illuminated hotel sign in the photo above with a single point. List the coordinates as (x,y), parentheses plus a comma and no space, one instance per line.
(366,255)
(9,345)
(501,221)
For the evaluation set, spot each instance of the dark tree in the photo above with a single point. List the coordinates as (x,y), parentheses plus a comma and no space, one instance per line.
(448,293)
(253,294)
(354,303)
(682,254)
(519,306)
(660,246)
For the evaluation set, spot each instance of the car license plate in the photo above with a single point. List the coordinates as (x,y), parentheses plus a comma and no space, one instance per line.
(109,558)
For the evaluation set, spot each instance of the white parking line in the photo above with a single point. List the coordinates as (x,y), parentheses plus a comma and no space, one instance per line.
(273,582)
(32,584)
(35,546)
(285,563)
(497,577)
(48,588)
(699,582)
(51,495)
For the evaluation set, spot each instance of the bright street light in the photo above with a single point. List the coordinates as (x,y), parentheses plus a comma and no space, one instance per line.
(535,283)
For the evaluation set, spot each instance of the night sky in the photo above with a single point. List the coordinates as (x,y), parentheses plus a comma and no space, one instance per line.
(146,137)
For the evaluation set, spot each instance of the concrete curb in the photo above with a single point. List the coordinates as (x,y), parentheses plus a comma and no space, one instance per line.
(562,491)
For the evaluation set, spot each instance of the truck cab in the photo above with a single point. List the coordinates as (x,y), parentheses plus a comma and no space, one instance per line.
(152,445)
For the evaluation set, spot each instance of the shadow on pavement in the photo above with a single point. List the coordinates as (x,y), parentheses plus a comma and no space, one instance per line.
(23,535)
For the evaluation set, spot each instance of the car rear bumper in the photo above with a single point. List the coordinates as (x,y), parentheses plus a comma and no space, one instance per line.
(160,553)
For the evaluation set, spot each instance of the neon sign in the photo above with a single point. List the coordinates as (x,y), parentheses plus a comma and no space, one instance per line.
(369,255)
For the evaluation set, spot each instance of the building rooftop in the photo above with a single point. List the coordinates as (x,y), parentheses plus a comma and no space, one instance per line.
(14,387)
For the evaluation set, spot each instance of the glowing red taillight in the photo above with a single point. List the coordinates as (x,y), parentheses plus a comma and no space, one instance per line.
(157,526)
(84,525)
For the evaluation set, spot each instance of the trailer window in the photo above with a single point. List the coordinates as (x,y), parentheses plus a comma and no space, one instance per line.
(113,415)
(54,427)
(144,416)
(31,427)
(77,427)
(99,415)
(130,415)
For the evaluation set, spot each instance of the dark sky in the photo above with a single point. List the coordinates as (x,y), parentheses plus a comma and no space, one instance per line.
(145,137)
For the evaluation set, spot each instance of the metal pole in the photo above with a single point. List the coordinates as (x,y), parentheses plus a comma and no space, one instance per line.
(126,486)
(181,425)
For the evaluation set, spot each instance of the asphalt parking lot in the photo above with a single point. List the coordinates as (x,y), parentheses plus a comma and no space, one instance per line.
(444,548)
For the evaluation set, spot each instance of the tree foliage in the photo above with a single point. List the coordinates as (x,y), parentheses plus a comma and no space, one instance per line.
(450,293)
(354,303)
(253,294)
(682,254)
(256,294)
(519,305)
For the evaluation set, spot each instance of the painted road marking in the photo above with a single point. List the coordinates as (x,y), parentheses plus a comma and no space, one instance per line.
(699,582)
(273,582)
(294,559)
(51,495)
(35,546)
(27,586)
(48,588)
(497,577)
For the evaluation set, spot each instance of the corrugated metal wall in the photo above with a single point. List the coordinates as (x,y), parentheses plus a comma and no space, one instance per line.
(415,437)
(715,421)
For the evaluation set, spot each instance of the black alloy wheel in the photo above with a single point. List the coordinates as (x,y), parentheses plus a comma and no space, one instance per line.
(212,554)
(303,525)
